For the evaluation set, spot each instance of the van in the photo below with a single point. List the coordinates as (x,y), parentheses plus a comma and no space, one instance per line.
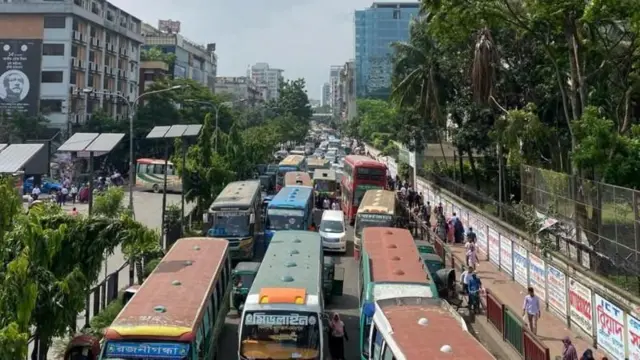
(333,231)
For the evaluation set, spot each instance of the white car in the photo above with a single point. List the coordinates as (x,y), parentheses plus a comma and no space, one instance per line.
(333,231)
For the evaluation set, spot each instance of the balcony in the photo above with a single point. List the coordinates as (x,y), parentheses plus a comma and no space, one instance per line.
(95,42)
(110,47)
(79,37)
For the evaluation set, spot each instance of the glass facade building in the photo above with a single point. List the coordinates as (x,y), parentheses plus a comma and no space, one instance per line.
(377,28)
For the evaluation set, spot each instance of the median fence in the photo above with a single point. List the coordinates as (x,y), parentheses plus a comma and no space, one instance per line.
(584,301)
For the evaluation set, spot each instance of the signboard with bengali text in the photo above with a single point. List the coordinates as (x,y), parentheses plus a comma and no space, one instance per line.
(520,265)
(633,337)
(494,247)
(580,306)
(610,327)
(506,260)
(557,291)
(538,276)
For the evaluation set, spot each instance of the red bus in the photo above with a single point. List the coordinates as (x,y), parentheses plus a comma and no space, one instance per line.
(360,174)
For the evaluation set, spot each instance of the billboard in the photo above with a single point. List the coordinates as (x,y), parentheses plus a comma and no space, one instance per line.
(169,26)
(20,65)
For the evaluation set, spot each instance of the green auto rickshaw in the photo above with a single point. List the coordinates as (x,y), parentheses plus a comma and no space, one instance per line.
(425,247)
(242,276)
(333,279)
(445,279)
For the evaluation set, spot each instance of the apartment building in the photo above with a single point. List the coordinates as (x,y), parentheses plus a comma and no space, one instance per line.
(84,44)
(193,61)
(334,90)
(150,72)
(347,87)
(262,73)
(377,27)
(240,88)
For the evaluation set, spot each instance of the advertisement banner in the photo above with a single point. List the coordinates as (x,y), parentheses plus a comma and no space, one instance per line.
(557,289)
(464,214)
(494,247)
(580,307)
(610,328)
(481,233)
(506,261)
(537,276)
(20,66)
(633,337)
(520,265)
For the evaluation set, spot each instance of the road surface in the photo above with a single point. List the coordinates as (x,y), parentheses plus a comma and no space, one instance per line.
(147,207)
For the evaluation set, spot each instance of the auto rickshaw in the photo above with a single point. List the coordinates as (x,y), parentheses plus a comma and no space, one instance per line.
(445,279)
(83,347)
(243,275)
(333,282)
(425,247)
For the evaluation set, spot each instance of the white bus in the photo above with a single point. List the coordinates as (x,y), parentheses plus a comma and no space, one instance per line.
(150,175)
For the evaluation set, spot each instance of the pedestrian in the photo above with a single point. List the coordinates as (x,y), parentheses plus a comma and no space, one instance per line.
(326,204)
(531,310)
(74,212)
(74,193)
(474,287)
(419,199)
(35,192)
(335,205)
(464,280)
(64,194)
(569,352)
(587,355)
(471,253)
(337,337)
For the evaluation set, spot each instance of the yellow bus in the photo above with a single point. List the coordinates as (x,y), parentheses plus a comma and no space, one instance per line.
(150,175)
(297,178)
(378,208)
(180,310)
(290,163)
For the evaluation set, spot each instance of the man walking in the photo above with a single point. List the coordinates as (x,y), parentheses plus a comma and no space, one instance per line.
(531,309)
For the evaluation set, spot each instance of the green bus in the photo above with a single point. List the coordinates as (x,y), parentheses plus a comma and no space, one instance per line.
(235,215)
(390,267)
(283,313)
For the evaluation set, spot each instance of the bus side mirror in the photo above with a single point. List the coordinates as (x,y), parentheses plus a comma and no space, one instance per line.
(252,219)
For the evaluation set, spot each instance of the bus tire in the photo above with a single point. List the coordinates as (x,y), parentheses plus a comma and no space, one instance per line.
(156,188)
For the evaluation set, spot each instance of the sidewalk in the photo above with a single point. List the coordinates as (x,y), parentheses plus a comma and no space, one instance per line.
(551,330)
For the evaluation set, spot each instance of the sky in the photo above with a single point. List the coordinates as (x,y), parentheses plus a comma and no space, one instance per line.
(302,37)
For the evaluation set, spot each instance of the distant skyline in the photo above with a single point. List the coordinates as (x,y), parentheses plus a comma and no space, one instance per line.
(303,37)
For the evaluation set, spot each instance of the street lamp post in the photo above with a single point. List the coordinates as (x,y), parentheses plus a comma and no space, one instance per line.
(216,108)
(131,105)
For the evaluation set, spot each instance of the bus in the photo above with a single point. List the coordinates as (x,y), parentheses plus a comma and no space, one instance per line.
(150,175)
(283,314)
(359,175)
(290,163)
(390,263)
(410,327)
(180,308)
(325,183)
(297,178)
(317,163)
(378,209)
(235,215)
(290,209)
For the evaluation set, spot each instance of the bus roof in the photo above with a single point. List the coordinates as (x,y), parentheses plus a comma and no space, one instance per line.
(378,201)
(294,197)
(393,256)
(324,174)
(292,160)
(172,297)
(360,160)
(239,194)
(410,321)
(300,178)
(311,162)
(292,261)
(153,161)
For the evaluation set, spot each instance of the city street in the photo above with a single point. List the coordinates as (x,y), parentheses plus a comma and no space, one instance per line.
(346,305)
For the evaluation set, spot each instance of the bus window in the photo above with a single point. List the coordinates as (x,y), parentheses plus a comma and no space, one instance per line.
(377,344)
(219,291)
(387,354)
(143,168)
(170,170)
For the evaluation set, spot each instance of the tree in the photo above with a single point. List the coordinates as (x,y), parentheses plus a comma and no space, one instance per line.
(18,128)
(156,54)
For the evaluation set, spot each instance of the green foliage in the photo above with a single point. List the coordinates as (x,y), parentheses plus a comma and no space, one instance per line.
(375,119)
(150,266)
(104,319)
(156,54)
(110,203)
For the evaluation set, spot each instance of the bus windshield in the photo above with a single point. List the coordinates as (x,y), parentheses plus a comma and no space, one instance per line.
(130,350)
(325,185)
(364,220)
(231,224)
(280,335)
(282,170)
(285,219)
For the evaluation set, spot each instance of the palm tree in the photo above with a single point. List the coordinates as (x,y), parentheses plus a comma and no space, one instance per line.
(418,82)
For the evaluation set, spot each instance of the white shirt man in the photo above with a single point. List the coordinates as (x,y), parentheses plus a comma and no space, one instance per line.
(326,204)
(335,206)
(35,192)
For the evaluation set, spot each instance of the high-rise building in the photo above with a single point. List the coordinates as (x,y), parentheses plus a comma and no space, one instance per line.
(193,61)
(326,94)
(67,59)
(242,88)
(377,27)
(347,91)
(262,73)
(334,82)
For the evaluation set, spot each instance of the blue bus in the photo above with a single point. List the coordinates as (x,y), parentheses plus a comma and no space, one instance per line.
(290,209)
